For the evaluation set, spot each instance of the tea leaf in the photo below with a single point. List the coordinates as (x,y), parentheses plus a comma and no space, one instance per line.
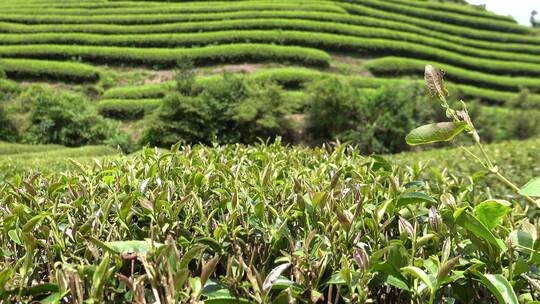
(532,188)
(437,132)
(414,197)
(490,212)
(419,274)
(472,224)
(499,287)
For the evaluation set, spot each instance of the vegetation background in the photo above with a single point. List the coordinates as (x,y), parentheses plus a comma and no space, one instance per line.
(258,151)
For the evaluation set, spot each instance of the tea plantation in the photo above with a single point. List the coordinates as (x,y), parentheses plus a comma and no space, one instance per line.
(257,151)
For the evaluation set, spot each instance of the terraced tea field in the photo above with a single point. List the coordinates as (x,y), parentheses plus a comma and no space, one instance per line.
(486,56)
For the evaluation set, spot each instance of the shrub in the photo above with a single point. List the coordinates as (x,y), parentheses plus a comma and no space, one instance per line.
(226,110)
(127,109)
(169,57)
(179,118)
(498,124)
(375,120)
(377,42)
(8,129)
(403,66)
(50,70)
(64,118)
(442,27)
(449,17)
(220,32)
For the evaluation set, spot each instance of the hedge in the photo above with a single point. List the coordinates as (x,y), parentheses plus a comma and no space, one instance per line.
(447,17)
(179,9)
(50,70)
(169,57)
(403,66)
(454,8)
(442,27)
(127,109)
(8,86)
(147,91)
(295,77)
(236,53)
(254,21)
(220,37)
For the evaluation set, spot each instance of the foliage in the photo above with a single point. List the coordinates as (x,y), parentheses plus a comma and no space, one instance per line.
(405,66)
(375,120)
(493,62)
(168,57)
(448,17)
(197,213)
(24,160)
(452,30)
(65,118)
(302,77)
(127,109)
(229,109)
(8,130)
(179,118)
(48,69)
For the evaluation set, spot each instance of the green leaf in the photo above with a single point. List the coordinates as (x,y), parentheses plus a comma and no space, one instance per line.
(532,188)
(319,199)
(414,197)
(31,224)
(523,239)
(473,225)
(499,287)
(336,279)
(419,274)
(124,247)
(194,252)
(491,212)
(437,132)
(227,300)
(141,247)
(100,278)
(14,236)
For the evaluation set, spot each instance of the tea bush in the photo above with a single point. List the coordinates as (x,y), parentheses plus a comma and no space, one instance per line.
(448,17)
(219,32)
(169,57)
(127,109)
(320,21)
(47,69)
(105,52)
(65,118)
(405,66)
(465,32)
(226,110)
(375,120)
(262,224)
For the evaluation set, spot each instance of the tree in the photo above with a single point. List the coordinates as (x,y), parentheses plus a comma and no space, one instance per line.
(534,22)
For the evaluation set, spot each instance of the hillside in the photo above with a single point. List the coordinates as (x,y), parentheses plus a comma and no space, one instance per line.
(124,52)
